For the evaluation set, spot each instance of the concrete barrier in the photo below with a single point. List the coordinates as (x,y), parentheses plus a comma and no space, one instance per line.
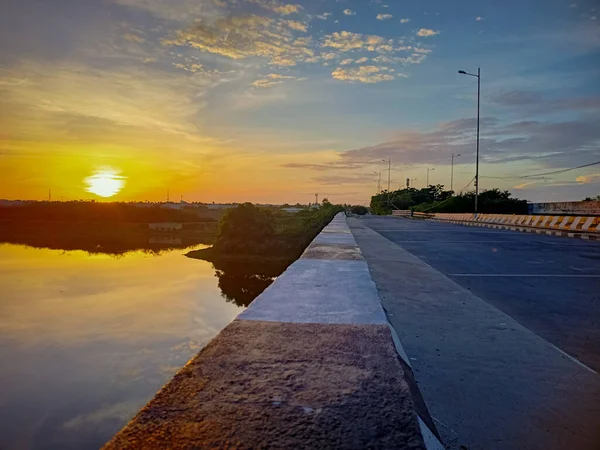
(401,212)
(584,227)
(312,363)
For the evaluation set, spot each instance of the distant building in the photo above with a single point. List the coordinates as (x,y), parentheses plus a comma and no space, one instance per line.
(165,226)
(589,207)
(221,205)
(292,209)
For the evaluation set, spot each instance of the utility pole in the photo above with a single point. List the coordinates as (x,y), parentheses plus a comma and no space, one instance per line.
(428,170)
(407,183)
(452,172)
(316,199)
(477,163)
(168,196)
(49,195)
(478,106)
(378,181)
(389,161)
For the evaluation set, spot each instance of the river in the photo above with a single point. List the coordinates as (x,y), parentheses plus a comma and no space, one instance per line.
(86,339)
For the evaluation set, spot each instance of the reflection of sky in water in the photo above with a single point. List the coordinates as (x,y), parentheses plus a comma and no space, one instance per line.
(86,340)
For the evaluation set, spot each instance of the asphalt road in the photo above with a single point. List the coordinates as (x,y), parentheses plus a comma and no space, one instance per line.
(549,284)
(500,327)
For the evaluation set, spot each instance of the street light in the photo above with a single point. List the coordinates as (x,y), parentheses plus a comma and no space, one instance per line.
(389,161)
(452,172)
(428,170)
(462,72)
(378,181)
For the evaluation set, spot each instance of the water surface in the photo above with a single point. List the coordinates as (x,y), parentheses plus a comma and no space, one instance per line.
(87,339)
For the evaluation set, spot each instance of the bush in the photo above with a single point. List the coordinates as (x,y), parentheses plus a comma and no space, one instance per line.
(251,230)
(359,209)
(436,199)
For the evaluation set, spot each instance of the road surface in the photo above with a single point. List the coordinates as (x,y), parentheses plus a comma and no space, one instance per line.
(502,329)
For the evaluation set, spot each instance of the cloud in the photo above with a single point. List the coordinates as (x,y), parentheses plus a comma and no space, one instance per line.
(340,179)
(334,165)
(329,56)
(535,101)
(346,61)
(323,16)
(349,12)
(240,37)
(404,20)
(588,179)
(298,26)
(524,185)
(277,7)
(479,18)
(134,38)
(182,10)
(346,41)
(551,144)
(425,32)
(364,74)
(384,16)
(130,96)
(362,60)
(272,79)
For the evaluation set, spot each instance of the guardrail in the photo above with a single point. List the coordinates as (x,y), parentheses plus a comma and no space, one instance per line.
(585,224)
(409,213)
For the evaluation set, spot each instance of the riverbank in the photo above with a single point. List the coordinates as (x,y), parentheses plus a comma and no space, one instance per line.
(104,237)
(250,234)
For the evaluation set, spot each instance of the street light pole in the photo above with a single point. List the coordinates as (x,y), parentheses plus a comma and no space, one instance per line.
(478,105)
(378,181)
(452,172)
(389,161)
(428,169)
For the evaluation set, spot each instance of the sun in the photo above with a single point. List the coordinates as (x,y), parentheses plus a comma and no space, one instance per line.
(105,182)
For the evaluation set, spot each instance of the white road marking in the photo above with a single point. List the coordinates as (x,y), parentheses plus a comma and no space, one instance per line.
(553,275)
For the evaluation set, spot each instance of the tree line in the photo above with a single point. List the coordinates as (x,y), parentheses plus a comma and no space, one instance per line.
(436,199)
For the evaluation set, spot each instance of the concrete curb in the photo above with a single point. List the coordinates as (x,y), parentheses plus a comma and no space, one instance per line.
(312,363)
(576,235)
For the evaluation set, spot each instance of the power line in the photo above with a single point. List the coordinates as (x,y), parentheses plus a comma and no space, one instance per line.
(546,173)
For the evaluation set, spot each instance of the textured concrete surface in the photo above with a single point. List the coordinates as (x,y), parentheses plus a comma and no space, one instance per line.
(329,251)
(273,385)
(312,363)
(489,381)
(320,291)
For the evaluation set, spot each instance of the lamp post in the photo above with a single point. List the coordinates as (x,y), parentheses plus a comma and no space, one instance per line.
(462,72)
(389,161)
(428,170)
(452,172)
(378,181)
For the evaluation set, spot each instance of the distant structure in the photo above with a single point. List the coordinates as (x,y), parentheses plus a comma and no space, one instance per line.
(165,226)
(589,208)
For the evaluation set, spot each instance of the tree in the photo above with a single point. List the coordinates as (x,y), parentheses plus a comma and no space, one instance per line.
(245,223)
(359,209)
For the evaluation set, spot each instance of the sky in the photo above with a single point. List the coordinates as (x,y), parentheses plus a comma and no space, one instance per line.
(271,102)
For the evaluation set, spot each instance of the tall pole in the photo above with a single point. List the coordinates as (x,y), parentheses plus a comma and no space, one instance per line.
(477,163)
(428,170)
(452,172)
(389,173)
